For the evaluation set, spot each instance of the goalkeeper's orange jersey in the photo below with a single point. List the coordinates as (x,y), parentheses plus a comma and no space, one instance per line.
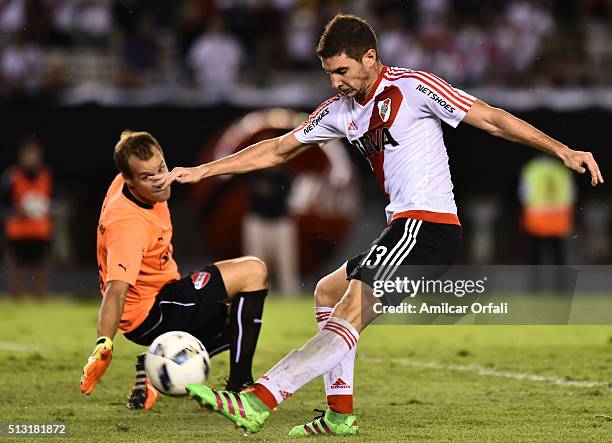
(134,246)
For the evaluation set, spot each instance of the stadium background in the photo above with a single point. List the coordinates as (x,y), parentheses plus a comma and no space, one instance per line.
(76,73)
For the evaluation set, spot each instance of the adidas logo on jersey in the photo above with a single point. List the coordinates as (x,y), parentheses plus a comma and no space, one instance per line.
(340,384)
(352,126)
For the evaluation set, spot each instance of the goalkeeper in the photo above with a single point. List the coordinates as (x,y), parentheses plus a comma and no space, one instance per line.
(143,294)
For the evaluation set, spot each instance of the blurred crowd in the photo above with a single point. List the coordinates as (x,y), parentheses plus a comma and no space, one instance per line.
(49,46)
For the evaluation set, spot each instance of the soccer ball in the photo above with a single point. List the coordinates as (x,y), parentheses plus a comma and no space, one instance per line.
(174,360)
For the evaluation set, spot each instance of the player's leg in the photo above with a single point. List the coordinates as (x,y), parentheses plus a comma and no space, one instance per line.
(319,355)
(198,304)
(339,381)
(398,245)
(143,394)
(40,268)
(285,252)
(243,274)
(17,277)
(246,284)
(330,289)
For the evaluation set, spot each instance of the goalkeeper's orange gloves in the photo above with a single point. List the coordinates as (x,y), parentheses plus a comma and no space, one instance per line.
(96,365)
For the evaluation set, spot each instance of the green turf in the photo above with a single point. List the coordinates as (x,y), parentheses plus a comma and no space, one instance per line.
(398,397)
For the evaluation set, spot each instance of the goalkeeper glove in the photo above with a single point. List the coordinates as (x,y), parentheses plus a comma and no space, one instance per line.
(96,365)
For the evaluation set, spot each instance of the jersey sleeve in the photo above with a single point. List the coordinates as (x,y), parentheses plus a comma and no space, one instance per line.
(126,246)
(434,96)
(322,125)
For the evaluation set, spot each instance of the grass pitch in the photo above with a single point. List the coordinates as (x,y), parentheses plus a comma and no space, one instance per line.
(440,383)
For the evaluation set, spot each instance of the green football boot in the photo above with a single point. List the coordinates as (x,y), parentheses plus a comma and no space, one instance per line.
(328,423)
(242,408)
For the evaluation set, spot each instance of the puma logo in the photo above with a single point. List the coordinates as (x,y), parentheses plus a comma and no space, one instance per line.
(124,267)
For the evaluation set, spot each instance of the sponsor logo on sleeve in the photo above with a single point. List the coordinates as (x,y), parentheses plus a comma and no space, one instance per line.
(315,122)
(436,98)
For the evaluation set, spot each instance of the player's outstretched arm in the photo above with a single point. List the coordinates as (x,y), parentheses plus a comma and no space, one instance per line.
(262,155)
(108,323)
(502,124)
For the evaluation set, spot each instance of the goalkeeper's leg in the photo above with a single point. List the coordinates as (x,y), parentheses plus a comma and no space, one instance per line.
(143,395)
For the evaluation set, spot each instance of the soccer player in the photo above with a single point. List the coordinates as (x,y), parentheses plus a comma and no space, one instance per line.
(393,117)
(143,294)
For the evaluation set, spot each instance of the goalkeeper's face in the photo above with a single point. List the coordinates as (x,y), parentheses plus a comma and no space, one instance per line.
(139,183)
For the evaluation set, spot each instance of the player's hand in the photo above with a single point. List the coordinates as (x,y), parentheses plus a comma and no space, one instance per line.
(179,175)
(96,365)
(577,160)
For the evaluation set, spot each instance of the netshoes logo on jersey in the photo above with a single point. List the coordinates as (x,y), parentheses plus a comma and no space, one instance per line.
(314,123)
(436,98)
(200,279)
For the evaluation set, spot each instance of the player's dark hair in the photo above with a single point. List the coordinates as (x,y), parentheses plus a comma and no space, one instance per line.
(347,34)
(139,144)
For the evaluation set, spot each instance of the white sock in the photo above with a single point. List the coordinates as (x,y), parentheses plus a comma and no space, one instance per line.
(318,356)
(338,381)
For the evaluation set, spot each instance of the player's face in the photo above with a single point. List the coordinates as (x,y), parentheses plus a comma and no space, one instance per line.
(349,76)
(140,185)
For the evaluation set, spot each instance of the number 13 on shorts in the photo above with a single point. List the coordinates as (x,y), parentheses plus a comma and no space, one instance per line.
(374,257)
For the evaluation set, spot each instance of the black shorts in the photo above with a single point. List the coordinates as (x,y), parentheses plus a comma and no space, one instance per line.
(29,252)
(408,244)
(197,304)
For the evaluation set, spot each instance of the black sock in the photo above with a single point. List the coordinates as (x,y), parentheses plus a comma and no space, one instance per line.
(141,376)
(245,323)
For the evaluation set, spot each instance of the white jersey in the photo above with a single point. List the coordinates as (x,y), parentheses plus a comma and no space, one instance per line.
(397,128)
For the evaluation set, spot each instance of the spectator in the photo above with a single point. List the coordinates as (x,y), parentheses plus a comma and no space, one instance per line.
(547,193)
(215,60)
(21,68)
(269,230)
(27,189)
(141,55)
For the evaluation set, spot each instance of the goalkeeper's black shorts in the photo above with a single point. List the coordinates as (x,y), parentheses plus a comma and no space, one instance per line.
(197,304)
